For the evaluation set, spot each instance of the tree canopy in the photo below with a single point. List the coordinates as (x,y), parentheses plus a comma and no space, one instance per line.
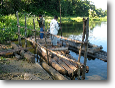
(51,7)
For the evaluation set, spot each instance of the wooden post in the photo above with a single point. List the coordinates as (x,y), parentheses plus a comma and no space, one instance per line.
(82,40)
(19,38)
(34,30)
(60,17)
(25,33)
(46,47)
(60,20)
(86,46)
(81,48)
(36,48)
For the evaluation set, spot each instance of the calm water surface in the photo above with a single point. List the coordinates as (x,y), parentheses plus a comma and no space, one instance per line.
(97,36)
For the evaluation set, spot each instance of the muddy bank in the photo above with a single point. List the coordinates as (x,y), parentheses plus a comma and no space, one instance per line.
(13,69)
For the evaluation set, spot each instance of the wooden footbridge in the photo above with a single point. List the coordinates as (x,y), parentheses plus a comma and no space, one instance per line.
(58,57)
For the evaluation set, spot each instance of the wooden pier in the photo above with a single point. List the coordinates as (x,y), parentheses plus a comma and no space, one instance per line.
(58,57)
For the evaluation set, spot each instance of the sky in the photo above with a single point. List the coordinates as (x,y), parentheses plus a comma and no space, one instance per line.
(100,4)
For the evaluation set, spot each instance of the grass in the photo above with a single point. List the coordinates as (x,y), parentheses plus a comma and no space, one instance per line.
(99,19)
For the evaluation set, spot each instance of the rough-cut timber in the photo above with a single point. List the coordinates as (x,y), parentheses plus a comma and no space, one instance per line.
(55,74)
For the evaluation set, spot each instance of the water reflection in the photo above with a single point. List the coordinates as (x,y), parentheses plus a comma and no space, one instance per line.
(97,36)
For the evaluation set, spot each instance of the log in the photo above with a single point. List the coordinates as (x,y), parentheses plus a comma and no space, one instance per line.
(92,48)
(54,64)
(55,74)
(6,53)
(28,76)
(74,63)
(10,52)
(18,56)
(59,49)
(69,71)
(68,63)
(29,57)
(14,46)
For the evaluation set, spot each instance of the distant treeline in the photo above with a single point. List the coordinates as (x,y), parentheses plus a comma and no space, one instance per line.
(51,7)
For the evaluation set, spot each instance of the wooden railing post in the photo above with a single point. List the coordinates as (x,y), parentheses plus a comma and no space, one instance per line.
(36,48)
(25,33)
(86,47)
(19,38)
(84,28)
(83,37)
(46,45)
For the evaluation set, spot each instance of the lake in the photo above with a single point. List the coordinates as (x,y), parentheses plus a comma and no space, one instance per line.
(97,36)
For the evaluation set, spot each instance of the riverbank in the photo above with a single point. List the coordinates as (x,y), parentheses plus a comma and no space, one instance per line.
(13,69)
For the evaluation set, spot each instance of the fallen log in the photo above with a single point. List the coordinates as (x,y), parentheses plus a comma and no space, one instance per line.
(74,63)
(55,74)
(6,52)
(29,57)
(59,49)
(18,56)
(10,52)
(14,46)
(68,63)
(91,48)
(54,64)
(69,71)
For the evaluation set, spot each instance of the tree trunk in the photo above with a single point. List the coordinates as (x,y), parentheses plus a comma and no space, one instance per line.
(70,71)
(55,74)
(54,64)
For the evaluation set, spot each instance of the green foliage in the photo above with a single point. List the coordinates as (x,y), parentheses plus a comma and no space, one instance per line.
(50,7)
(8,28)
(71,10)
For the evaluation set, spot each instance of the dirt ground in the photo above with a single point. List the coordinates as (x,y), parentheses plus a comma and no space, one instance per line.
(13,69)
